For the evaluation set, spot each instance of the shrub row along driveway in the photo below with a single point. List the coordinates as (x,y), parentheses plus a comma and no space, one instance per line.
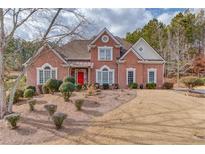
(153,117)
(36,128)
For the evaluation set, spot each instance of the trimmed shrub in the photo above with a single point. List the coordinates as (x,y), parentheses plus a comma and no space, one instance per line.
(97,86)
(52,85)
(106,86)
(45,89)
(133,85)
(31,87)
(70,79)
(151,85)
(58,119)
(31,104)
(66,89)
(141,86)
(168,85)
(12,119)
(115,86)
(50,108)
(78,87)
(192,82)
(79,104)
(28,93)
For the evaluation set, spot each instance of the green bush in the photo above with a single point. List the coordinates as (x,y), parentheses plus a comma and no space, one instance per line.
(50,108)
(151,85)
(59,82)
(45,89)
(12,120)
(66,89)
(31,104)
(106,86)
(79,87)
(133,85)
(79,104)
(58,119)
(52,85)
(168,85)
(70,79)
(192,82)
(28,93)
(31,87)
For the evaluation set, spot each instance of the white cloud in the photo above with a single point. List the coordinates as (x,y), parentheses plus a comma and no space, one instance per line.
(118,21)
(166,17)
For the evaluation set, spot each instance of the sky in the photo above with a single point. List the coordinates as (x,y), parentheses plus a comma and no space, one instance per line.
(117,21)
(121,21)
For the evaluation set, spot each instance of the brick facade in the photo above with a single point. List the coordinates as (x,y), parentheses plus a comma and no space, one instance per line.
(120,76)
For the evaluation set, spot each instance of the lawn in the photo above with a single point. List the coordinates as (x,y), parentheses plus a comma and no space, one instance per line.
(36,128)
(153,117)
(118,117)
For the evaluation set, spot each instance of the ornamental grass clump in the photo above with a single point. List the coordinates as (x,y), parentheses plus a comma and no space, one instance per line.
(12,120)
(58,119)
(79,104)
(50,108)
(31,104)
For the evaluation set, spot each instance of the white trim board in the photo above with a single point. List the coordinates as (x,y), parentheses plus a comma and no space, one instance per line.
(136,54)
(134,74)
(100,47)
(28,62)
(108,32)
(155,74)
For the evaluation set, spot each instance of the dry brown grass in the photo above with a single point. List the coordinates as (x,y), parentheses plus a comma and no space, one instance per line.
(37,128)
(153,117)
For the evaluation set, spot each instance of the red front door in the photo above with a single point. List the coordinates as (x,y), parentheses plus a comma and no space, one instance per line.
(80,78)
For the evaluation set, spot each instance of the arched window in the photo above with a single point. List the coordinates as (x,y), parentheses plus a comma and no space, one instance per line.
(105,75)
(46,72)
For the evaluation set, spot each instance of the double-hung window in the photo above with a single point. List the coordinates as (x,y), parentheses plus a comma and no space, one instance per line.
(105,53)
(130,75)
(105,76)
(152,75)
(46,72)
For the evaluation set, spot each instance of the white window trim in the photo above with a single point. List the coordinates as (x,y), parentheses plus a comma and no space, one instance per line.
(155,74)
(134,74)
(99,53)
(42,68)
(109,70)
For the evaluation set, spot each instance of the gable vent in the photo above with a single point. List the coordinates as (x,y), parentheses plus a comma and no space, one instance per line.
(140,49)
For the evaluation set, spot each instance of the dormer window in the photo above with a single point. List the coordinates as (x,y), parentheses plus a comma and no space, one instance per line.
(105,38)
(140,49)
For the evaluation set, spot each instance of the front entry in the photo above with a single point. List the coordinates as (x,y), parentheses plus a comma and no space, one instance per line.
(81,78)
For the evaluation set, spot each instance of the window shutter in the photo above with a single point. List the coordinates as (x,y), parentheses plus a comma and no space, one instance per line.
(41,76)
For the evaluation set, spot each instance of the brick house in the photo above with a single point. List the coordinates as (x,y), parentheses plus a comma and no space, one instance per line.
(103,59)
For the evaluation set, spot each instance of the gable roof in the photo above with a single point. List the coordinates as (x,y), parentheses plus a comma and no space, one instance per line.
(29,61)
(147,53)
(76,49)
(108,32)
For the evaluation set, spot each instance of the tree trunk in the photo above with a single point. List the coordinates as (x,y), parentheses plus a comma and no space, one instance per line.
(2,48)
(11,98)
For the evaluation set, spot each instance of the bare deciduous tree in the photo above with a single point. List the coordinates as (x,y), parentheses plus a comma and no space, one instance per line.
(56,29)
